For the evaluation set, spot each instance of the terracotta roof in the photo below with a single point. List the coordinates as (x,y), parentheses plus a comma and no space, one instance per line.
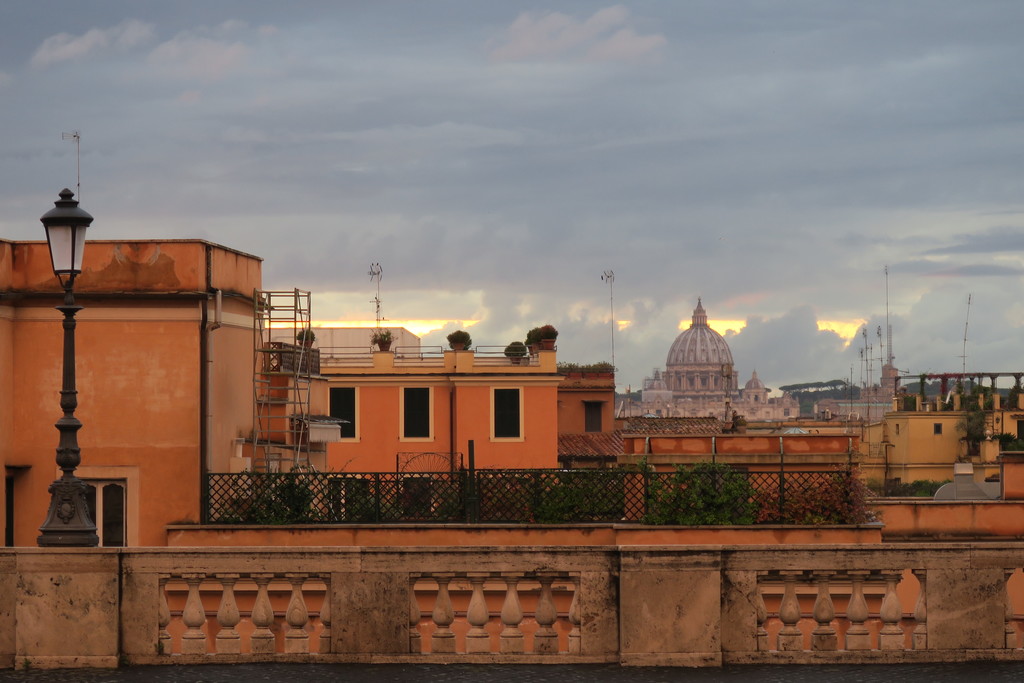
(592,443)
(674,426)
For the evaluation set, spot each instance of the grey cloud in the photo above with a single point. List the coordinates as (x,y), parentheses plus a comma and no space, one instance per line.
(996,240)
(772,157)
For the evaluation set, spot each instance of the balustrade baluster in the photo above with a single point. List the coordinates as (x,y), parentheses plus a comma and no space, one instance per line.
(511,616)
(790,637)
(891,636)
(857,635)
(1010,631)
(545,640)
(325,616)
(762,616)
(919,639)
(163,643)
(228,641)
(296,639)
(477,639)
(823,637)
(193,641)
(415,640)
(575,640)
(262,639)
(443,640)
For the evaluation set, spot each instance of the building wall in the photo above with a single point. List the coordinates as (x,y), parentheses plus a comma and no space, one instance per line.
(580,388)
(140,373)
(231,369)
(756,453)
(461,387)
(341,339)
(6,365)
(905,445)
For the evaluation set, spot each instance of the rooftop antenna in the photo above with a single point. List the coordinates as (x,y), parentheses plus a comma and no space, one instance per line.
(375,272)
(963,357)
(849,411)
(881,353)
(77,137)
(609,277)
(888,328)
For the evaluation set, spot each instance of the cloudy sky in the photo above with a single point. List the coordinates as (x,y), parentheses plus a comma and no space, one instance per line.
(496,157)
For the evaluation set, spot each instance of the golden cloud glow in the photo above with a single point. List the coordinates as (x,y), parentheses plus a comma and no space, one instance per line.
(719,326)
(847,329)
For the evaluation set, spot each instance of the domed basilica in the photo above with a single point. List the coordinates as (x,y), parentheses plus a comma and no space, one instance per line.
(700,379)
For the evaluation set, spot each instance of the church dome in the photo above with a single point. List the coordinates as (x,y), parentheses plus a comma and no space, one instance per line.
(699,345)
(754,383)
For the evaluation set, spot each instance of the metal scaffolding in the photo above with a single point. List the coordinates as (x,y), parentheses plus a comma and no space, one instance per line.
(283,366)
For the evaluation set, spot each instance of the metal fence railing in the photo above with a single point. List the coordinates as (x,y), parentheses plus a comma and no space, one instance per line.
(712,494)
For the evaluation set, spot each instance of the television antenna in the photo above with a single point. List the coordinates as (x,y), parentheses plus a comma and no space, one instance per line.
(963,356)
(609,277)
(888,328)
(77,137)
(375,274)
(881,353)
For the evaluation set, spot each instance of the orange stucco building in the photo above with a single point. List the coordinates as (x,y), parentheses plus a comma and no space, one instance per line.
(665,442)
(419,411)
(586,402)
(164,379)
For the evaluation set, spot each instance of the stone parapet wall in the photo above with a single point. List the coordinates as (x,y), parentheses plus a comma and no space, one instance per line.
(637,605)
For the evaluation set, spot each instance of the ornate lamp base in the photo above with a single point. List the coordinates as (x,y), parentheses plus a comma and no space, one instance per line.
(67,522)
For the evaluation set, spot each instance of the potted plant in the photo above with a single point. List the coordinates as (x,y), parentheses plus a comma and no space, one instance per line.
(533,339)
(305,337)
(515,352)
(542,337)
(382,338)
(459,340)
(548,335)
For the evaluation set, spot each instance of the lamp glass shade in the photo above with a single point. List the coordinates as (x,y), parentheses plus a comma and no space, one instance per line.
(66,242)
(65,227)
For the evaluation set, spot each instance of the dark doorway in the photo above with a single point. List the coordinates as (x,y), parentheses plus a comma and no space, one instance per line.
(9,511)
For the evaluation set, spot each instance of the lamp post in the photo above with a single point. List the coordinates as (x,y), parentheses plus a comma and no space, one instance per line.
(67,521)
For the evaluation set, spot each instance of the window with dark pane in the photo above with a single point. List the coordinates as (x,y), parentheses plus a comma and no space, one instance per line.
(106,502)
(506,413)
(592,415)
(416,417)
(343,405)
(113,515)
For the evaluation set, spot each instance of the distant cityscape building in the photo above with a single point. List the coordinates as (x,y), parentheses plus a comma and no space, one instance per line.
(870,406)
(700,379)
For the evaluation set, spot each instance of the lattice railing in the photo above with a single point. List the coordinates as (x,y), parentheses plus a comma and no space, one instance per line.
(687,496)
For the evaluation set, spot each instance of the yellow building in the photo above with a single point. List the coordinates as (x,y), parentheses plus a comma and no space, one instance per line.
(920,440)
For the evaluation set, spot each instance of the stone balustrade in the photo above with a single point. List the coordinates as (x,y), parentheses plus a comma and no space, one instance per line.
(637,605)
(276,607)
(512,613)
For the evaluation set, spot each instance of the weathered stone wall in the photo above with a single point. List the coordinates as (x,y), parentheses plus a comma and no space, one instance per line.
(637,605)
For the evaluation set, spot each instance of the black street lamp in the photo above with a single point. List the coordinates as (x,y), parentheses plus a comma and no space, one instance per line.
(67,521)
